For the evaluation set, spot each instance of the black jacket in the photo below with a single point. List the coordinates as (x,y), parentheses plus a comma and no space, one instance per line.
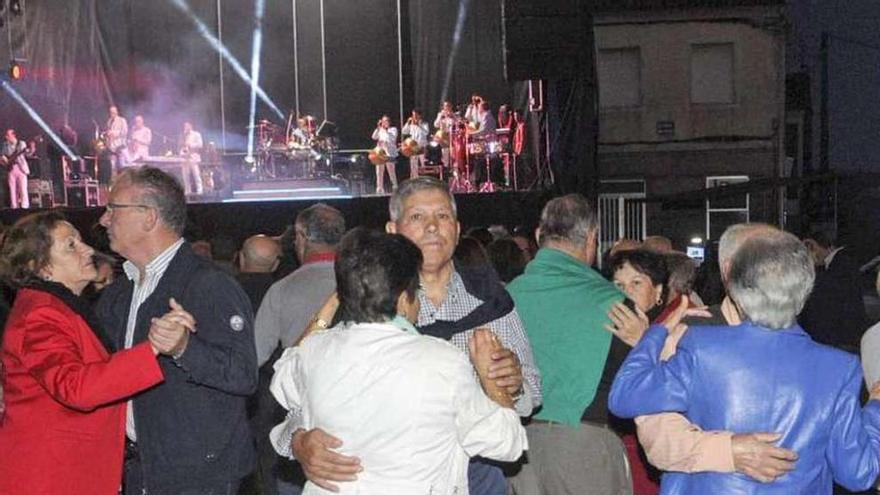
(834,314)
(192,430)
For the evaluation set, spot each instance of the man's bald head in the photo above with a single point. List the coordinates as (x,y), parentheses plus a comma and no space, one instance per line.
(260,254)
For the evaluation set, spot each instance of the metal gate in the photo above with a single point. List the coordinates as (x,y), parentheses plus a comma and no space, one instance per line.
(621,216)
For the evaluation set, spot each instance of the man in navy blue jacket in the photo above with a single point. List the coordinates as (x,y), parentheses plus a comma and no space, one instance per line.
(190,434)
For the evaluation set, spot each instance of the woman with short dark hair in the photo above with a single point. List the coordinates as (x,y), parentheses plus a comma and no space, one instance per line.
(64,426)
(408,406)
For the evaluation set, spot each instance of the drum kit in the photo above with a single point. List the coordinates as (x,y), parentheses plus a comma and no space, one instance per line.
(295,152)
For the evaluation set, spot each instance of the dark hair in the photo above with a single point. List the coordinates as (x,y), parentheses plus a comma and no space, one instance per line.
(161,190)
(322,224)
(482,234)
(645,262)
(25,249)
(507,258)
(470,253)
(823,237)
(682,272)
(372,270)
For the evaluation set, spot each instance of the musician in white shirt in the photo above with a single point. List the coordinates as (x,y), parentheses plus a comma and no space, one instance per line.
(418,130)
(408,406)
(139,140)
(385,136)
(472,114)
(444,123)
(116,137)
(13,157)
(190,151)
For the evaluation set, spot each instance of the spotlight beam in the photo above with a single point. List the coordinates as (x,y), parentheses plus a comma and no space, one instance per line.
(256,50)
(463,6)
(224,52)
(36,118)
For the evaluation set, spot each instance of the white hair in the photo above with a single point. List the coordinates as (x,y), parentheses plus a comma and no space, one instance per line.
(771,277)
(735,235)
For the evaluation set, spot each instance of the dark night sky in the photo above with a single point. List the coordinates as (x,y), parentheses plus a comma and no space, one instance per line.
(854,74)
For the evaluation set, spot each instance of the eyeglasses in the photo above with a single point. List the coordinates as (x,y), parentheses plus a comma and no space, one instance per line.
(118,206)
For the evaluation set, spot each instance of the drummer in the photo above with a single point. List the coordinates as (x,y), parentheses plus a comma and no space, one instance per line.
(302,135)
(418,130)
(485,124)
(385,136)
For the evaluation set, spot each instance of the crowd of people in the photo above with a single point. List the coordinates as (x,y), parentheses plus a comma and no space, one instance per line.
(420,360)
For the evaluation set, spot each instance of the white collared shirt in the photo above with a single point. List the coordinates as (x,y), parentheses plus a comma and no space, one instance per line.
(407,405)
(142,290)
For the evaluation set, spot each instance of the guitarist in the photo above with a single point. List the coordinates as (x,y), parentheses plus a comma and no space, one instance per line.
(13,157)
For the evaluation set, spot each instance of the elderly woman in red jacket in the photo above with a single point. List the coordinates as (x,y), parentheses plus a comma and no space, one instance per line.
(64,424)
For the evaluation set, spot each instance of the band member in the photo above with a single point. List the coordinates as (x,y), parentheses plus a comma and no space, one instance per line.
(139,140)
(116,137)
(301,135)
(444,123)
(13,157)
(418,130)
(472,114)
(485,123)
(190,151)
(385,136)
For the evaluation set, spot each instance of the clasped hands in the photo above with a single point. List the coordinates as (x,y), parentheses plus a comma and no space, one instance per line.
(169,335)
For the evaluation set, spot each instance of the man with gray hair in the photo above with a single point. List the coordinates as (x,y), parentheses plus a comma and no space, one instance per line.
(292,301)
(672,443)
(811,399)
(453,303)
(190,433)
(564,304)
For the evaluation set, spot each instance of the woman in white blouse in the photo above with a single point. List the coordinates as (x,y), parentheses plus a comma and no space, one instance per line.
(408,406)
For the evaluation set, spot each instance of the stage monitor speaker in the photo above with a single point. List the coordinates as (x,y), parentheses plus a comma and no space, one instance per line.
(546,39)
(40,193)
(82,193)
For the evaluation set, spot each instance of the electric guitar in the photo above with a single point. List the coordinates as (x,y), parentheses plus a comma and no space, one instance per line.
(8,160)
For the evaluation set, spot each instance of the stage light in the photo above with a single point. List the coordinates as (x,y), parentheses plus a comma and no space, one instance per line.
(224,52)
(696,240)
(354,159)
(16,71)
(39,120)
(256,49)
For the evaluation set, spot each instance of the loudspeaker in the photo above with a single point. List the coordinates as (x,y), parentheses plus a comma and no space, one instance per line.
(82,193)
(546,39)
(40,193)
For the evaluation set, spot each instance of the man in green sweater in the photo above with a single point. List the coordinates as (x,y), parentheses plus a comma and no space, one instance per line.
(564,305)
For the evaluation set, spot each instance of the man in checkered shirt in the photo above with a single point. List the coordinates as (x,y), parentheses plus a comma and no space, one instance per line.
(424,211)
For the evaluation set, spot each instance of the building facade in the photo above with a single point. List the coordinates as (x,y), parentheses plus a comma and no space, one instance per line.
(691,96)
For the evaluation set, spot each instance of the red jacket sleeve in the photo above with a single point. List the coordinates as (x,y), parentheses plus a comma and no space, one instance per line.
(52,353)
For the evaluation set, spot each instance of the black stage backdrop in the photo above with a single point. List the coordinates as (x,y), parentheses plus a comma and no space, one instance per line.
(148,57)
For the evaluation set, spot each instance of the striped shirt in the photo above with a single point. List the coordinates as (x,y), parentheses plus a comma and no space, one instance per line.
(142,290)
(509,329)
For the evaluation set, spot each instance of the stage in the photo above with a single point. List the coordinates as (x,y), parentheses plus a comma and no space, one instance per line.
(238,220)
